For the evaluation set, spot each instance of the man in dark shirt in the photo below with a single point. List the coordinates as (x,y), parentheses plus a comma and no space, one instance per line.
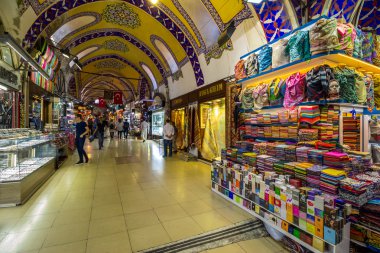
(126,128)
(81,131)
(100,129)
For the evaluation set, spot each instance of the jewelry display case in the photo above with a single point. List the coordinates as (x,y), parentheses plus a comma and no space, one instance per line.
(27,160)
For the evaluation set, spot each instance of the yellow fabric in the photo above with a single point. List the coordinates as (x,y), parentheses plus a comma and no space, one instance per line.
(376,81)
(361,89)
(334,172)
(209,146)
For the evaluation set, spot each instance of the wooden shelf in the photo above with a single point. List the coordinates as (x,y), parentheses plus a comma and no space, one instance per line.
(333,59)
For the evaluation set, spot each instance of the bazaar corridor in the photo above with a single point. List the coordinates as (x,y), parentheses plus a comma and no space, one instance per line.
(127,199)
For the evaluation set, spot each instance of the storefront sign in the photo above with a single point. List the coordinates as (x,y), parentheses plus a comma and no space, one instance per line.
(212,91)
(8,78)
(179,102)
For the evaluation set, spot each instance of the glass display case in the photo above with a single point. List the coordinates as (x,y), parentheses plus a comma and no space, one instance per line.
(158,119)
(27,159)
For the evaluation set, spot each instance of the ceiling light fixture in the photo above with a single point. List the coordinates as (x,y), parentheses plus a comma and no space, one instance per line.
(65,52)
(154,1)
(3,87)
(10,41)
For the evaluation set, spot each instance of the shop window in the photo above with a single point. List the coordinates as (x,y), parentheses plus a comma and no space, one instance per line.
(150,74)
(83,54)
(167,55)
(70,27)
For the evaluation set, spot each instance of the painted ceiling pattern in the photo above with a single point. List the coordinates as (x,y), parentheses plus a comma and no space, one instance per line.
(136,24)
(109,64)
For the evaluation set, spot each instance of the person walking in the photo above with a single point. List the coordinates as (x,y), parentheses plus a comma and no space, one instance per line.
(82,130)
(144,130)
(168,138)
(119,128)
(112,129)
(175,137)
(126,128)
(99,130)
(90,124)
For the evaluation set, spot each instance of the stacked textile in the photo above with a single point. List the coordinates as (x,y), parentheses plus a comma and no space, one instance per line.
(267,118)
(260,132)
(316,156)
(261,147)
(250,159)
(289,168)
(279,168)
(306,134)
(301,153)
(271,148)
(275,131)
(351,132)
(353,191)
(292,132)
(274,118)
(290,153)
(261,165)
(283,116)
(231,154)
(373,178)
(310,114)
(223,154)
(336,159)
(330,179)
(280,152)
(267,132)
(293,116)
(269,163)
(313,175)
(301,172)
(284,132)
(369,213)
(326,131)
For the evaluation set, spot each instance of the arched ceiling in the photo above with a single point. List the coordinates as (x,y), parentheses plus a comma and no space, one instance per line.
(125,32)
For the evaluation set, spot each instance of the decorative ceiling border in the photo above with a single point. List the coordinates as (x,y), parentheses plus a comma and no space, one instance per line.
(63,6)
(181,10)
(95,34)
(154,37)
(90,46)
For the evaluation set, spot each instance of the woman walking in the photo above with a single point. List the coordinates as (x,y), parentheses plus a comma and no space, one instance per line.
(120,128)
(112,129)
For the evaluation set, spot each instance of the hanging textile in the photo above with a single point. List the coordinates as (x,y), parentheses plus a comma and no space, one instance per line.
(361,89)
(346,79)
(276,91)
(251,65)
(240,70)
(209,148)
(298,47)
(358,44)
(367,48)
(376,49)
(324,36)
(279,55)
(260,95)
(347,36)
(246,98)
(376,81)
(318,80)
(186,129)
(295,90)
(265,59)
(370,92)
(197,130)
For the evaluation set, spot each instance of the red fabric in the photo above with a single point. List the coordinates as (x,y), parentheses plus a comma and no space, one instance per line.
(118,98)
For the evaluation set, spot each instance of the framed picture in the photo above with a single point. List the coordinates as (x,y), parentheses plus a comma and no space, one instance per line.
(6,55)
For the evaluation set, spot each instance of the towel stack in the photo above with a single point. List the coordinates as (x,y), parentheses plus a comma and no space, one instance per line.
(301,153)
(330,180)
(310,114)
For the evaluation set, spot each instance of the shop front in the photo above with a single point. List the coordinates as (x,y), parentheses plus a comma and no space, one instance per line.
(158,116)
(9,98)
(180,117)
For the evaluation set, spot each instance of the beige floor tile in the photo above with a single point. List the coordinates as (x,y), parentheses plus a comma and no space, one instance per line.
(150,185)
(148,237)
(6,225)
(129,187)
(132,195)
(24,241)
(107,226)
(44,208)
(106,199)
(216,202)
(77,204)
(231,248)
(134,206)
(182,228)
(76,247)
(232,214)
(195,207)
(277,245)
(141,219)
(72,217)
(116,243)
(67,234)
(211,220)
(157,202)
(106,211)
(34,222)
(258,245)
(171,212)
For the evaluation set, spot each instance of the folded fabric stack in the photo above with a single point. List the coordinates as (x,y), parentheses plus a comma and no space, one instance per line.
(275,131)
(330,179)
(267,118)
(260,119)
(369,213)
(292,132)
(271,148)
(336,159)
(313,175)
(301,153)
(223,154)
(373,178)
(316,156)
(326,131)
(280,151)
(289,168)
(274,118)
(284,132)
(268,132)
(353,191)
(308,134)
(279,168)
(301,172)
(351,132)
(261,165)
(310,114)
(269,163)
(250,159)
(232,154)
(261,147)
(260,132)
(240,153)
(293,115)
(283,116)
(290,153)
(252,119)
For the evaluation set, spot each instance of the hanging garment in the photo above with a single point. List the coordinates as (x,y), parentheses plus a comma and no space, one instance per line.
(197,130)
(240,70)
(209,148)
(251,65)
(347,36)
(318,80)
(346,79)
(361,89)
(376,82)
(324,36)
(370,92)
(295,90)
(358,44)
(279,55)
(276,91)
(265,59)
(298,46)
(368,44)
(376,49)
(260,95)
(246,98)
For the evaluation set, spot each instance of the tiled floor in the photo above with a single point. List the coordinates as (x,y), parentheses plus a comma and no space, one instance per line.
(107,207)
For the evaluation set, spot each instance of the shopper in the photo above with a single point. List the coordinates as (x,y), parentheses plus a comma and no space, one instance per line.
(175,137)
(144,130)
(126,128)
(90,124)
(119,128)
(112,129)
(99,131)
(168,138)
(81,131)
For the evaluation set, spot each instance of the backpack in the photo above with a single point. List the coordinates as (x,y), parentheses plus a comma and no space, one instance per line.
(240,70)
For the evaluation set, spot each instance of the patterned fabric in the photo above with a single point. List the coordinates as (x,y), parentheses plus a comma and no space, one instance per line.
(376,49)
(251,65)
(276,91)
(318,80)
(240,70)
(376,81)
(295,90)
(298,46)
(209,148)
(260,95)
(265,59)
(346,79)
(370,92)
(368,43)
(197,131)
(324,36)
(358,44)
(246,98)
(361,89)
(279,56)
(347,36)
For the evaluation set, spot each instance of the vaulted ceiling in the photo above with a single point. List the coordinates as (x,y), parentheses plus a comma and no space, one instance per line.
(139,40)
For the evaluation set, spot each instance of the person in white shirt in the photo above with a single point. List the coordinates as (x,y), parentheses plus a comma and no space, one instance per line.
(168,138)
(144,130)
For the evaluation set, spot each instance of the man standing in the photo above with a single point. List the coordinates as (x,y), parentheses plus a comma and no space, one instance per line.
(126,128)
(100,129)
(80,138)
(144,130)
(168,138)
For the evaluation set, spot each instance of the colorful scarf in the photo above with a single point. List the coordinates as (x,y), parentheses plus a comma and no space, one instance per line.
(324,36)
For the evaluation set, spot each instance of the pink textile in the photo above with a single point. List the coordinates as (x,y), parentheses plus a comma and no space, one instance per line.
(295,90)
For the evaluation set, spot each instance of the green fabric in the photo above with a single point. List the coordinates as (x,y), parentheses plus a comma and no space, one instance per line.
(298,47)
(346,79)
